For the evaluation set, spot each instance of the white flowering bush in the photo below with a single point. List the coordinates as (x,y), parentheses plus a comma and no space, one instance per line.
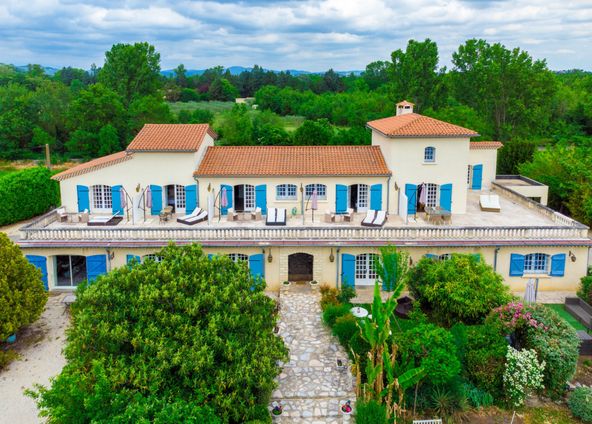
(523,374)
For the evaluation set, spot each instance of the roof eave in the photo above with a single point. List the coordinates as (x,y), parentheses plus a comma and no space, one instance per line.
(162,150)
(195,174)
(423,135)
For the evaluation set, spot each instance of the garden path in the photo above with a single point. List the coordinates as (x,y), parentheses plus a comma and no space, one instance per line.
(311,387)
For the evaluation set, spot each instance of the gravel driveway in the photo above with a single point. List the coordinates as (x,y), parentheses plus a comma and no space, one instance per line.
(40,347)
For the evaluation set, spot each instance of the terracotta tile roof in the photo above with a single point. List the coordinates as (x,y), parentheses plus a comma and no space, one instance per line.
(416,125)
(170,137)
(93,165)
(292,160)
(481,145)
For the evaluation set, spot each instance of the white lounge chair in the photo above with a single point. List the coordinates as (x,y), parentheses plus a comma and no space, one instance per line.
(276,216)
(271,214)
(380,219)
(198,215)
(369,218)
(96,221)
(489,203)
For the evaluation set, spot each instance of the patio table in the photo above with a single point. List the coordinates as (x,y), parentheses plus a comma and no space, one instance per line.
(438,214)
(359,312)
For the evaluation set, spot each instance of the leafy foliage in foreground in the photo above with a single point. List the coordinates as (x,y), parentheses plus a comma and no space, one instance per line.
(188,337)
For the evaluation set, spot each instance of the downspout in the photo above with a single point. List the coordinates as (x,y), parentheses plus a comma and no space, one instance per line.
(338,262)
(108,258)
(388,194)
(495,252)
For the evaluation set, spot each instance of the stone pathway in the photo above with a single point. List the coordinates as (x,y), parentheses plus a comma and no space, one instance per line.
(311,388)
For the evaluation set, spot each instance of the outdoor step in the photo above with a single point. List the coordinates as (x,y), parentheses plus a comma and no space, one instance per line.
(312,382)
(321,409)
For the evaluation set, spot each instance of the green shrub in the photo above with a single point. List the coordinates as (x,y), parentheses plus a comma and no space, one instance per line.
(358,345)
(6,357)
(26,194)
(370,412)
(346,294)
(22,295)
(332,312)
(476,397)
(328,296)
(585,291)
(461,289)
(345,327)
(580,403)
(187,333)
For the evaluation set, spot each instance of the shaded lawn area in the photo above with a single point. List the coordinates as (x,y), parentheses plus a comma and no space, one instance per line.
(560,309)
(214,106)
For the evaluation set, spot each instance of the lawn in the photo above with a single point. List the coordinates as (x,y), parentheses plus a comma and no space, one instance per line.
(560,309)
(215,106)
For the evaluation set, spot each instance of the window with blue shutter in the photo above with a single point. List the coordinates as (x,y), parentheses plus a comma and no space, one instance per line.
(261,198)
(516,265)
(95,265)
(229,197)
(477,177)
(256,267)
(446,197)
(558,265)
(411,193)
(132,258)
(83,198)
(156,193)
(340,198)
(431,256)
(376,197)
(41,263)
(191,200)
(348,270)
(116,205)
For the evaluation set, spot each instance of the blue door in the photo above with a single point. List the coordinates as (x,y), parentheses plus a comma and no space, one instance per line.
(558,265)
(256,267)
(41,263)
(83,198)
(95,265)
(446,197)
(156,193)
(261,198)
(116,205)
(477,177)
(190,198)
(411,193)
(376,197)
(340,198)
(348,270)
(229,196)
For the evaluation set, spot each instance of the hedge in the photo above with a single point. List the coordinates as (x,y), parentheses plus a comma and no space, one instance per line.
(27,193)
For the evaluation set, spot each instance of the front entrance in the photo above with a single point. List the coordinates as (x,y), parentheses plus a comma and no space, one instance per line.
(300,266)
(244,197)
(358,197)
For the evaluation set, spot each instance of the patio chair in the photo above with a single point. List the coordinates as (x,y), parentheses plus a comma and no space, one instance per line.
(232,215)
(256,214)
(329,216)
(349,215)
(369,218)
(489,203)
(62,215)
(198,215)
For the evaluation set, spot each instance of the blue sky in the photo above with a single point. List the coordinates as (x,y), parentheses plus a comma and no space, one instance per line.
(300,34)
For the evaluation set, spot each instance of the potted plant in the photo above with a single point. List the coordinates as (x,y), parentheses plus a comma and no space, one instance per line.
(276,408)
(286,284)
(346,407)
(314,283)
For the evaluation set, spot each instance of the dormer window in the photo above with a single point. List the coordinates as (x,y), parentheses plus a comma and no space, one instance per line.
(429,154)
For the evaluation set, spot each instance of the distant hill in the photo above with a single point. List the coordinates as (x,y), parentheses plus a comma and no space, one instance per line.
(236,70)
(48,69)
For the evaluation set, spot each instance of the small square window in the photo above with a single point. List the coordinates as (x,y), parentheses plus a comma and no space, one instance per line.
(429,154)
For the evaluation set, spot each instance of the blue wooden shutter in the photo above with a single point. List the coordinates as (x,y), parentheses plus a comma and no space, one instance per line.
(261,198)
(83,199)
(516,265)
(376,197)
(340,198)
(190,198)
(41,263)
(256,267)
(229,196)
(477,177)
(210,256)
(95,265)
(411,193)
(558,265)
(348,270)
(130,258)
(431,256)
(156,193)
(446,197)
(116,206)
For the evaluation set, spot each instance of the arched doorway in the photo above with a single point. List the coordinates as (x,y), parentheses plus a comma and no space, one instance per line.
(300,267)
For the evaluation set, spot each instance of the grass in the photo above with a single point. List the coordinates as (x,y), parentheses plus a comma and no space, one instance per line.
(292,122)
(214,106)
(560,309)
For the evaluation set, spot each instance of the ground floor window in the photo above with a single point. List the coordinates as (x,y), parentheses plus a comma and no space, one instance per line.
(70,270)
(365,273)
(101,197)
(237,257)
(536,263)
(445,257)
(152,257)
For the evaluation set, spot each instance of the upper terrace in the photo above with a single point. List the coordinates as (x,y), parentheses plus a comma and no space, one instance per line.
(520,221)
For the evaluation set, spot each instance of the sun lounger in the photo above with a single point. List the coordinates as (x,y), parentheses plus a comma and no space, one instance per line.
(369,219)
(198,215)
(271,213)
(96,221)
(276,216)
(489,203)
(380,219)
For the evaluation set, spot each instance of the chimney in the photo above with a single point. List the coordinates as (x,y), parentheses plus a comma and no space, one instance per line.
(404,107)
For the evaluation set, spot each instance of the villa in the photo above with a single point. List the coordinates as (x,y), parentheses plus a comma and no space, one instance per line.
(302,213)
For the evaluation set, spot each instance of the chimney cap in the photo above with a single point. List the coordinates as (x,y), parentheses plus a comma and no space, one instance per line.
(405,103)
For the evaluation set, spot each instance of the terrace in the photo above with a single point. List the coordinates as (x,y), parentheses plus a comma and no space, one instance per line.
(520,220)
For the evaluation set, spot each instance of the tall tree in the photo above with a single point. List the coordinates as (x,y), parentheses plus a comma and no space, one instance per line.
(181,75)
(132,71)
(415,74)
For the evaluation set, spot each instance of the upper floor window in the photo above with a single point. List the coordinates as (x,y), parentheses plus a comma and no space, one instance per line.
(285,192)
(321,191)
(237,257)
(101,197)
(536,263)
(429,154)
